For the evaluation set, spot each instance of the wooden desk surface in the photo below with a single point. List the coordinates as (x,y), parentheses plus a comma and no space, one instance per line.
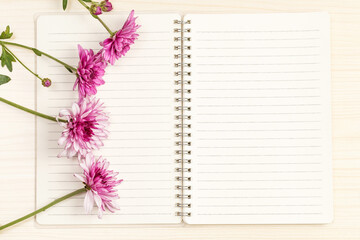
(17,141)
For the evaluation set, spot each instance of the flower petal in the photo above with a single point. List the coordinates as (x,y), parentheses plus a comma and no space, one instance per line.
(89,201)
(81,178)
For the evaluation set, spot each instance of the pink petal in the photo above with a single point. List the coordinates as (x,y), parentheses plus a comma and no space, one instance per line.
(89,201)
(98,202)
(81,178)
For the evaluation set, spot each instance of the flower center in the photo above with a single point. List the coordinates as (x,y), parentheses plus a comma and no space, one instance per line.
(92,74)
(83,130)
(87,130)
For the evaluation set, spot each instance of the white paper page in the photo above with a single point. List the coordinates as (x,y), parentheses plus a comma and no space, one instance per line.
(138,93)
(261,119)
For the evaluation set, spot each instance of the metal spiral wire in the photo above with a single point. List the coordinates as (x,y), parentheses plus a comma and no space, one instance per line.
(183,71)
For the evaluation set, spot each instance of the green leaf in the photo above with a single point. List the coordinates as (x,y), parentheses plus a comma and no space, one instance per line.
(65,2)
(6,34)
(4,79)
(6,59)
(37,52)
(86,0)
(69,69)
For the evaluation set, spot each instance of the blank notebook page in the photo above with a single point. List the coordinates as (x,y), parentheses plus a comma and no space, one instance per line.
(138,94)
(261,119)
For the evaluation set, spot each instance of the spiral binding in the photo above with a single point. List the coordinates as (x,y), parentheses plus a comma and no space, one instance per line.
(183,71)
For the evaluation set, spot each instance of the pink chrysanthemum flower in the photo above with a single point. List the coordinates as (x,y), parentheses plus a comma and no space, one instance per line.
(118,45)
(85,128)
(90,72)
(101,183)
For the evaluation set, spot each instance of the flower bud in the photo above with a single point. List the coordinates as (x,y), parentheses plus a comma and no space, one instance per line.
(46,82)
(106,6)
(95,9)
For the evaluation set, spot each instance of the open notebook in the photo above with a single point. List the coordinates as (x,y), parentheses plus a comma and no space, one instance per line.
(215,119)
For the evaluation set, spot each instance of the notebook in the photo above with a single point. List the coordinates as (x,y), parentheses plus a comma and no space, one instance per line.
(215,119)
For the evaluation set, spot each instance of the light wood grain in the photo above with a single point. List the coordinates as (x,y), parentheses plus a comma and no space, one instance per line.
(17,133)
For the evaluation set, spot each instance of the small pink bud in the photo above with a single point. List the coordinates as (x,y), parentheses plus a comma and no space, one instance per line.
(95,9)
(46,82)
(106,6)
(98,11)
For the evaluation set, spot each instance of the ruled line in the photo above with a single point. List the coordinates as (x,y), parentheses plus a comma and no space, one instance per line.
(275,47)
(256,39)
(115,164)
(100,33)
(122,205)
(261,214)
(257,72)
(251,172)
(316,196)
(275,146)
(270,80)
(260,31)
(258,105)
(231,56)
(261,180)
(259,113)
(256,130)
(123,189)
(256,189)
(246,89)
(116,214)
(261,155)
(217,122)
(292,96)
(264,205)
(262,163)
(259,138)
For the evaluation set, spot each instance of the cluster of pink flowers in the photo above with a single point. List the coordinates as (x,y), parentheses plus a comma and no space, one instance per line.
(86,123)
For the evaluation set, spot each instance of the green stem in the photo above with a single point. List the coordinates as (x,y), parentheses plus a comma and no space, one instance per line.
(31,111)
(36,75)
(41,52)
(99,19)
(81,190)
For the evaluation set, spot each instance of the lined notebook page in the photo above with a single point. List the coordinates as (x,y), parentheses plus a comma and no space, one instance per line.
(139,94)
(261,131)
